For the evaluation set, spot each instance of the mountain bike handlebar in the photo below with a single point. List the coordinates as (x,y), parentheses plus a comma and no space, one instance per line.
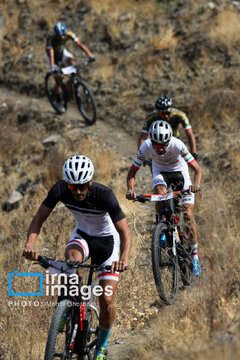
(67,70)
(46,262)
(156,197)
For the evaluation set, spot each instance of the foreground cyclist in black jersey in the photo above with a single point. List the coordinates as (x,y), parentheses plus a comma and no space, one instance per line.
(101,231)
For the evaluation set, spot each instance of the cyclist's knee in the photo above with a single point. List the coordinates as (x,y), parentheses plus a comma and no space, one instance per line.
(106,304)
(71,61)
(160,189)
(74,253)
(187,211)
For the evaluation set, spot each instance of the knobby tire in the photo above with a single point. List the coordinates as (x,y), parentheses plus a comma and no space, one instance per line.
(53,334)
(165,264)
(85,102)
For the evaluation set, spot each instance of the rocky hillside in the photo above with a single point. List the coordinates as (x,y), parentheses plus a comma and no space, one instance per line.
(143,48)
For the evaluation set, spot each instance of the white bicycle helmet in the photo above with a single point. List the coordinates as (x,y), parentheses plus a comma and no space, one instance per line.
(78,169)
(160,132)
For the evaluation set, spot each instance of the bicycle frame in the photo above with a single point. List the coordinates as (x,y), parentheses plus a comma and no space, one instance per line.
(79,313)
(168,248)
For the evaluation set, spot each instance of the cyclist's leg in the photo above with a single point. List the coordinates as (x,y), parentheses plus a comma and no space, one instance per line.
(57,79)
(187,207)
(191,226)
(77,248)
(107,313)
(191,230)
(160,187)
(68,58)
(108,282)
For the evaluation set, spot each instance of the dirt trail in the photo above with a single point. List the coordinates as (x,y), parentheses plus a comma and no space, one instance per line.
(111,134)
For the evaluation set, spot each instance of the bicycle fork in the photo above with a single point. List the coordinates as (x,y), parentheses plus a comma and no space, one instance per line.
(79,323)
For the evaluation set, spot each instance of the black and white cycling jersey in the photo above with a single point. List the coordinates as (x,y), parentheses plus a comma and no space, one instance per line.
(95,215)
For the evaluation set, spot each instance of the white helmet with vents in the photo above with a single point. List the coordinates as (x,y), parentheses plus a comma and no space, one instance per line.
(78,169)
(160,132)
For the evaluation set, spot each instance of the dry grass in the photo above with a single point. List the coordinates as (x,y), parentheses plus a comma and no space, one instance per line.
(116,7)
(165,40)
(226,29)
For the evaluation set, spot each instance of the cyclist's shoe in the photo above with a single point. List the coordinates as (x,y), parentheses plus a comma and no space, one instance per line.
(196,267)
(101,354)
(61,109)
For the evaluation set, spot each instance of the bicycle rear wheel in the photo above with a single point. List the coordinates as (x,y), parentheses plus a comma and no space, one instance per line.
(165,264)
(185,263)
(85,102)
(49,88)
(58,343)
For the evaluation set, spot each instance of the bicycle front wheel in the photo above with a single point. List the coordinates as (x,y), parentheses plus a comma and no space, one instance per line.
(165,263)
(85,102)
(58,343)
(87,338)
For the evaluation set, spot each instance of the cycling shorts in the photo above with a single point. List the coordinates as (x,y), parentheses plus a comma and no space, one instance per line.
(103,250)
(62,59)
(161,178)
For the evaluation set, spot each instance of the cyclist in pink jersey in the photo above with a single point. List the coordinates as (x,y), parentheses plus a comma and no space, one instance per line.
(170,161)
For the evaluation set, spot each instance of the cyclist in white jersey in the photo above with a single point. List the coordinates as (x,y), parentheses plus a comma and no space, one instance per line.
(101,232)
(170,161)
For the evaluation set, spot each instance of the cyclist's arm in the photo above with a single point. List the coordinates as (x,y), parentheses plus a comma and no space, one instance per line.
(131,182)
(143,136)
(198,176)
(125,246)
(144,133)
(191,141)
(83,48)
(50,53)
(188,130)
(33,231)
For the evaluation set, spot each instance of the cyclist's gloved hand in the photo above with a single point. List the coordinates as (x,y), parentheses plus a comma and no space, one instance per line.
(30,253)
(91,58)
(118,266)
(54,69)
(194,188)
(195,156)
(130,195)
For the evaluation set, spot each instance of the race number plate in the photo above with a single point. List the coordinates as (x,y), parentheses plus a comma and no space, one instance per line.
(161,197)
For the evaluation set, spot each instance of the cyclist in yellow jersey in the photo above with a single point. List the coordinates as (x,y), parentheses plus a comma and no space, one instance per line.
(165,111)
(57,53)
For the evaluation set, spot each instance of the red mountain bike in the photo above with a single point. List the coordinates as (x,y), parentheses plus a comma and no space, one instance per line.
(170,248)
(74,327)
